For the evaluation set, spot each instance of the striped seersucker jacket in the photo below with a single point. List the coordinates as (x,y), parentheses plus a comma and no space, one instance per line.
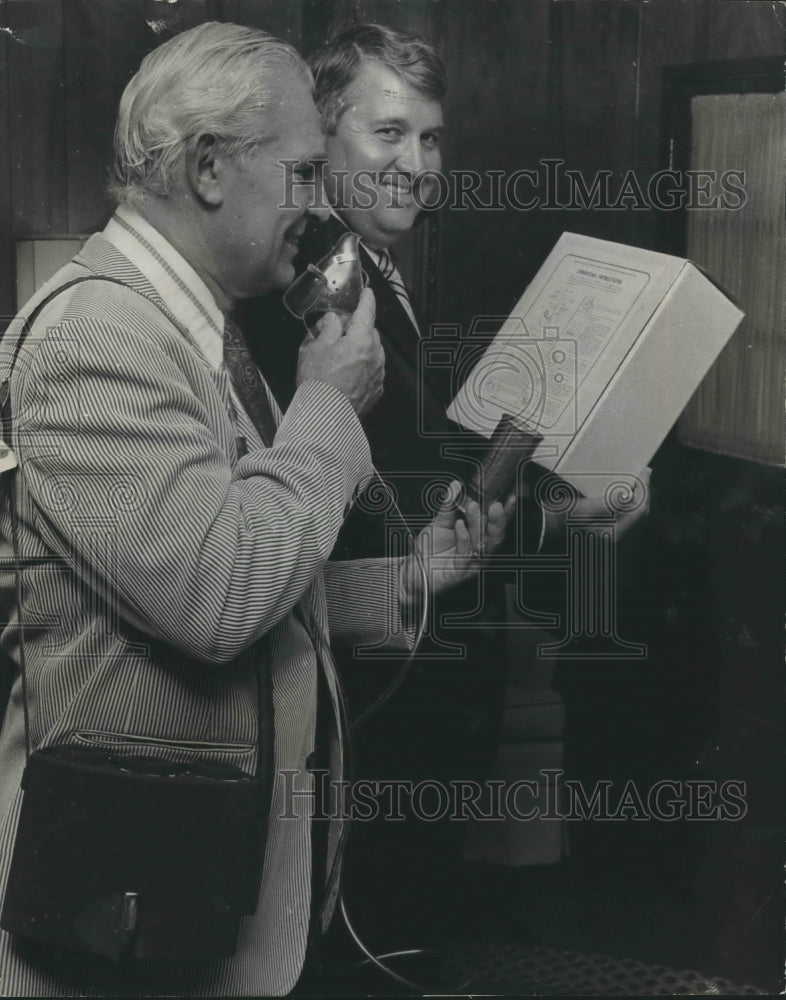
(155,557)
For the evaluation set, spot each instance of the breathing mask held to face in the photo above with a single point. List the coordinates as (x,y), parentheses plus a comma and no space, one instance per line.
(333,284)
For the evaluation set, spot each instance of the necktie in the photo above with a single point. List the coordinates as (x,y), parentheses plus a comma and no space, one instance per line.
(391,274)
(247,381)
(251,391)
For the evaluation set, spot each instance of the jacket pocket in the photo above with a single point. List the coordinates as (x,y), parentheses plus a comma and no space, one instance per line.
(99,738)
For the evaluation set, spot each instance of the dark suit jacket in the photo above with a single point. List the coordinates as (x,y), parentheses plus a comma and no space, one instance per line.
(408,433)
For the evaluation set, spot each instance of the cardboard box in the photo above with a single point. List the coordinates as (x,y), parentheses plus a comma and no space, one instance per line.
(600,356)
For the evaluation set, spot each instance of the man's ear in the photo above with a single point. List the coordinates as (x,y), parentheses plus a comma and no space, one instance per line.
(203,169)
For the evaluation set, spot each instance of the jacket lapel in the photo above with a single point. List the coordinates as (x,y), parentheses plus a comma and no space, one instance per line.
(100,256)
(390,313)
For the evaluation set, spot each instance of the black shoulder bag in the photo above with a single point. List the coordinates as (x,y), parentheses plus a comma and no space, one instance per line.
(131,857)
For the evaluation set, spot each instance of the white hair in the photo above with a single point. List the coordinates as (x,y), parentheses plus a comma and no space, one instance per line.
(215,79)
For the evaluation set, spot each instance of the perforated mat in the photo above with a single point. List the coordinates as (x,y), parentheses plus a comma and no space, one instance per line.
(514,970)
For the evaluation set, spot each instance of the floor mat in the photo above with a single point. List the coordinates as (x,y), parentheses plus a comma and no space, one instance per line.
(519,971)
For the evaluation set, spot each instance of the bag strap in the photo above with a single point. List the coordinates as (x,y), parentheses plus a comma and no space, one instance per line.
(6,419)
(27,327)
(265,693)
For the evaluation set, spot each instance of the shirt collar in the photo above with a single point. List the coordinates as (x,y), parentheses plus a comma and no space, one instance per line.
(181,289)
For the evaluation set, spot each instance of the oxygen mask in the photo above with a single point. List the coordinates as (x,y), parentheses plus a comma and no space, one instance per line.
(333,284)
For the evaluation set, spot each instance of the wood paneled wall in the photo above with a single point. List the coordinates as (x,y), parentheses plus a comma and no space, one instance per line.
(577,79)
(581,81)
(63,67)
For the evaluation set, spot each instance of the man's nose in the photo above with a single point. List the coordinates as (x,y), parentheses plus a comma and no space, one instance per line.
(410,158)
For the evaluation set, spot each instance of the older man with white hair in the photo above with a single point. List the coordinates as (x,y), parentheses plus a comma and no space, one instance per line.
(165,579)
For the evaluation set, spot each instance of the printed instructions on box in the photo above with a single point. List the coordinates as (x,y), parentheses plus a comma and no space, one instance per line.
(534,372)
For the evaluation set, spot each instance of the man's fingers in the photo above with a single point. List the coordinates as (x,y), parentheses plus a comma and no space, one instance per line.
(452,496)
(463,540)
(363,318)
(498,517)
(474,521)
(328,328)
(496,521)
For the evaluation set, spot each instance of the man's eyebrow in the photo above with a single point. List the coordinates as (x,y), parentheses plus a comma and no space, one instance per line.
(405,123)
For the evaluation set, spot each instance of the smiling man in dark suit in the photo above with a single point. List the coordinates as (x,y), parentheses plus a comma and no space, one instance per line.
(380,95)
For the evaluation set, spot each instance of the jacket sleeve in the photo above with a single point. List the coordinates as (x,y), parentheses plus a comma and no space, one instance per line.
(364,608)
(124,478)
